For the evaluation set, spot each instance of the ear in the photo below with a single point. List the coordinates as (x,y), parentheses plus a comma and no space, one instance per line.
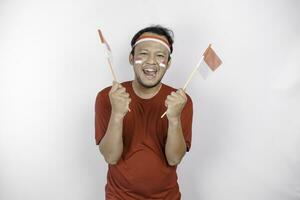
(131,59)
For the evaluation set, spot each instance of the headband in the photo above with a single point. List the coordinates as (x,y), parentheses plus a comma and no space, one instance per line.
(154,39)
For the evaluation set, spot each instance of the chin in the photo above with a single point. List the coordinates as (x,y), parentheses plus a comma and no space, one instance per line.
(148,84)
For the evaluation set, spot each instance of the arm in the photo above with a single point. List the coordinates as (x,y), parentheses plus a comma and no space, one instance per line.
(111,145)
(175,147)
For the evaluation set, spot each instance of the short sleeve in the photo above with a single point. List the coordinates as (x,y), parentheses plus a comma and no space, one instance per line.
(186,122)
(102,114)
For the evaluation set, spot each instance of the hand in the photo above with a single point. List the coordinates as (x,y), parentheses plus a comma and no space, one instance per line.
(119,99)
(175,103)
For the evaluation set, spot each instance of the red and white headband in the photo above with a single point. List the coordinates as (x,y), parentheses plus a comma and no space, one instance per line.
(154,39)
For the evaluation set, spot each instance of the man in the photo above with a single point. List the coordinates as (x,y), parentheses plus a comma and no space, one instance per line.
(141,148)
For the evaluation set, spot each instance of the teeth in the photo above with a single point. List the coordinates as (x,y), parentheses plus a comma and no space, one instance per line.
(150,70)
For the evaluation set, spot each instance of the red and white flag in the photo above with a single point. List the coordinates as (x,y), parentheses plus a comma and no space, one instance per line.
(108,53)
(105,45)
(209,62)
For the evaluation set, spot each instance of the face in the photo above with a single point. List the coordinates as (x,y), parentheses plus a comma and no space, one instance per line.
(150,62)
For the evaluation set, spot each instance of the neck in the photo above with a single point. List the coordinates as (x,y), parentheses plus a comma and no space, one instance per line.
(144,92)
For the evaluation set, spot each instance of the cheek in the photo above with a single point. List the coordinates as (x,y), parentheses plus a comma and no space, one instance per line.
(137,68)
(163,65)
(161,72)
(138,62)
(140,58)
(163,61)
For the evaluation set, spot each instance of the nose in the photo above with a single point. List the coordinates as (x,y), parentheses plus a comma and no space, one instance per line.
(151,59)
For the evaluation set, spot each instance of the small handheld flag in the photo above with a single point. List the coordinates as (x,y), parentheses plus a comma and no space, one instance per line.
(210,64)
(108,53)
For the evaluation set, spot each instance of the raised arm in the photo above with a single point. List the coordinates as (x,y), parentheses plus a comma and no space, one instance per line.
(111,145)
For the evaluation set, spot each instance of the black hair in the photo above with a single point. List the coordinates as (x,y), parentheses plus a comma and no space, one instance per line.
(156,29)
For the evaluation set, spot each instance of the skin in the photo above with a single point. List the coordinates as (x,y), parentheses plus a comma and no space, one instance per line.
(151,54)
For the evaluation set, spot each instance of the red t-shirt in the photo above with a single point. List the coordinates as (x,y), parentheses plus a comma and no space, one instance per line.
(142,172)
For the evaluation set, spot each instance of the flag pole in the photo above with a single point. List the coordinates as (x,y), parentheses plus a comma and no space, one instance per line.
(191,75)
(188,80)
(109,60)
(112,70)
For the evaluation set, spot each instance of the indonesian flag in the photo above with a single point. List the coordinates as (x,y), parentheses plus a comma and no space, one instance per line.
(209,62)
(105,45)
(108,54)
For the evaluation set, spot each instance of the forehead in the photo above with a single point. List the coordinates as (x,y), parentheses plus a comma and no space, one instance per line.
(152,45)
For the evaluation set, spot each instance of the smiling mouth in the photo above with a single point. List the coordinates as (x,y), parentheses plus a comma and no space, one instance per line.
(150,73)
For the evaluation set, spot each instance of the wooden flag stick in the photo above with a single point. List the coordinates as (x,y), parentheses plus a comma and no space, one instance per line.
(112,70)
(108,59)
(189,79)
(114,74)
(193,73)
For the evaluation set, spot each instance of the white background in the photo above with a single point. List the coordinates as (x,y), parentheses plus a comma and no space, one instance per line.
(246,131)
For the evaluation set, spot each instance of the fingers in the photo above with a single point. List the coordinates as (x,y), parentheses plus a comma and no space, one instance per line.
(121,90)
(179,94)
(182,93)
(178,97)
(117,88)
(124,95)
(119,99)
(172,97)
